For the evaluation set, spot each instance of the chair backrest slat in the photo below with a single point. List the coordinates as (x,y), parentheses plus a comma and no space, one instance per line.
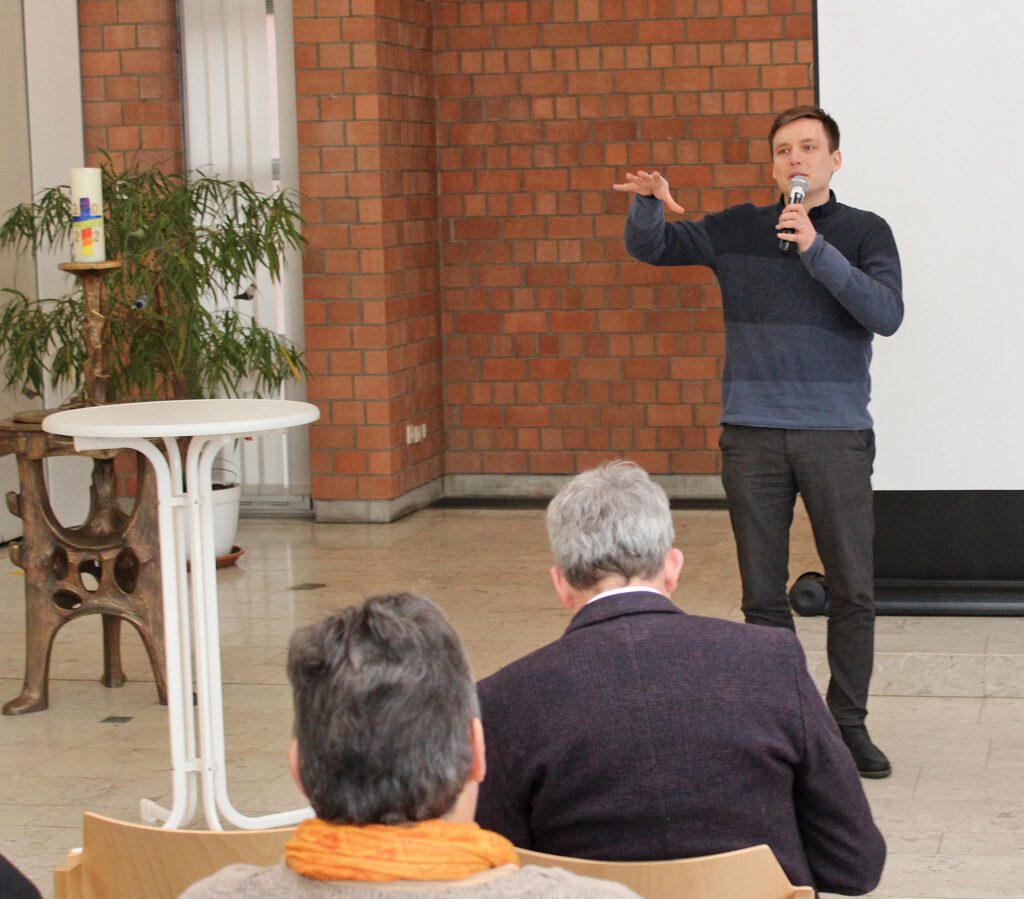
(121,860)
(752,873)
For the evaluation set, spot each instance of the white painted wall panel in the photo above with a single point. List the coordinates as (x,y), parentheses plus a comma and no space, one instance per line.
(54,82)
(928,95)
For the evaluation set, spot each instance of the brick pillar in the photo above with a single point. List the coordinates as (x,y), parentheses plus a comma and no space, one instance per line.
(131,82)
(131,98)
(368,177)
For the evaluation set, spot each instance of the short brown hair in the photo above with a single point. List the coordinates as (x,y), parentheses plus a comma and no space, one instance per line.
(806,112)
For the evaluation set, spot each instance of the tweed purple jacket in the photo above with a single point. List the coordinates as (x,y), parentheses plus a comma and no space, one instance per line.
(646,733)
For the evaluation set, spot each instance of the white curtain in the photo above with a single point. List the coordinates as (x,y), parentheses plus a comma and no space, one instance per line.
(240,124)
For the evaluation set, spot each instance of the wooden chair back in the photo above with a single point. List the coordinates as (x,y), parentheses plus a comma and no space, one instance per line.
(121,860)
(752,873)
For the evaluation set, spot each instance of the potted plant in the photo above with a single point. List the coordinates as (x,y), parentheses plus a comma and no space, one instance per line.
(188,242)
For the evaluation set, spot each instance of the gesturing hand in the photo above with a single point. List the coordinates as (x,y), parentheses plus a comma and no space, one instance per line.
(649,184)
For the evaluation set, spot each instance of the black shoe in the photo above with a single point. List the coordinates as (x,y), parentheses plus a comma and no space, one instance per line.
(870,760)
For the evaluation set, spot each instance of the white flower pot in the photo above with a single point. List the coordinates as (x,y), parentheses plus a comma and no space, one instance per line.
(226,503)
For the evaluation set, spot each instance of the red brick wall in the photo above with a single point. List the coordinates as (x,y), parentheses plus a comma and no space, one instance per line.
(560,351)
(368,174)
(131,89)
(131,97)
(465,267)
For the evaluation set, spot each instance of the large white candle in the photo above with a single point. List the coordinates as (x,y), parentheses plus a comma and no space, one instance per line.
(87,238)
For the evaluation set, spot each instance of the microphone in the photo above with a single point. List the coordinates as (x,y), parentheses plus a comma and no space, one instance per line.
(797,192)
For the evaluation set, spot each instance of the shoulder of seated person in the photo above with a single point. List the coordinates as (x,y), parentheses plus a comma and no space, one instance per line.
(576,884)
(511,882)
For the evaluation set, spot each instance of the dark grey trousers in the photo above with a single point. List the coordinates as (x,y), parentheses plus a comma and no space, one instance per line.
(763,469)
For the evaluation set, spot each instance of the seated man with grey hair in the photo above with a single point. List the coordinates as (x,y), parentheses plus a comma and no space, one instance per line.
(646,733)
(389,749)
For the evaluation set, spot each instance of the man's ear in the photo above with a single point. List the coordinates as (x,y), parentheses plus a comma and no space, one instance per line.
(293,764)
(673,567)
(562,588)
(478,768)
(837,161)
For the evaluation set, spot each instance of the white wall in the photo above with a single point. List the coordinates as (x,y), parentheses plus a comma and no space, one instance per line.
(15,187)
(928,95)
(52,65)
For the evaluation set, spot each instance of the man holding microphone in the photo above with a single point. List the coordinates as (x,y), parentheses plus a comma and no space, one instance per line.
(805,286)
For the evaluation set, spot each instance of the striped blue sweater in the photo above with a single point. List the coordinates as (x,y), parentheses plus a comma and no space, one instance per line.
(798,327)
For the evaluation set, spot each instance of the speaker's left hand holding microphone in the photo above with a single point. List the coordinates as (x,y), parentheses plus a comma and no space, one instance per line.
(650,184)
(795,226)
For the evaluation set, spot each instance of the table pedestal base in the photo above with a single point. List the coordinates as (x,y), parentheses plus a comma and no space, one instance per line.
(110,565)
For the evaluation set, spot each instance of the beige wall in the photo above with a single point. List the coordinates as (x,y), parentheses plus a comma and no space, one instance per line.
(15,165)
(15,187)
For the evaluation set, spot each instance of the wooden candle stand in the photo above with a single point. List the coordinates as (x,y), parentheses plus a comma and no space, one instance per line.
(110,564)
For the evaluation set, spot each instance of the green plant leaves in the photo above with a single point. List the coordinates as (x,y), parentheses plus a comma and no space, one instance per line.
(184,240)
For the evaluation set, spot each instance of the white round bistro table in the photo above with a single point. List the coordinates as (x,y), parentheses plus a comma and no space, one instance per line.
(198,771)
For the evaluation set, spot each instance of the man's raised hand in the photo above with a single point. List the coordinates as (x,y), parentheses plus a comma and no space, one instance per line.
(649,184)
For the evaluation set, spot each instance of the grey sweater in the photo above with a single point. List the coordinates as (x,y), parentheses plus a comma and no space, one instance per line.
(281,882)
(798,326)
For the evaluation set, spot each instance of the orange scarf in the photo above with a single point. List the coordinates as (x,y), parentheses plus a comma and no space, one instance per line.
(426,850)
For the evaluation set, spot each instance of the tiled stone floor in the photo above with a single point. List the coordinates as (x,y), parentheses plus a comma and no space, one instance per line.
(947,706)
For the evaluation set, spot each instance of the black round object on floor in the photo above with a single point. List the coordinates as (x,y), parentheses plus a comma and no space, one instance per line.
(807,595)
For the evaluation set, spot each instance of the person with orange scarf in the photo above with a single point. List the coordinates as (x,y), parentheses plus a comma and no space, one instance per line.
(389,748)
